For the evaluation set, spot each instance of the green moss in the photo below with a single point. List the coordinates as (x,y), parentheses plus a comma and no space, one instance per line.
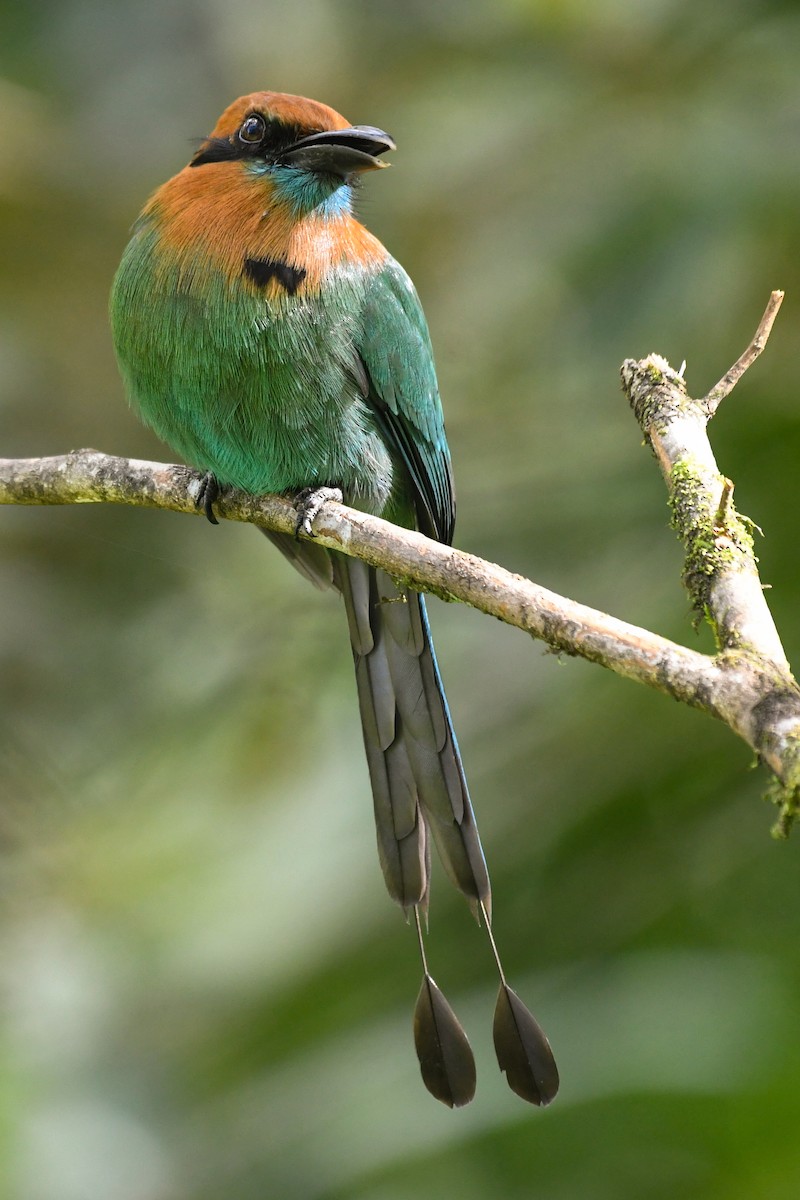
(405,583)
(787,801)
(660,394)
(715,539)
(785,793)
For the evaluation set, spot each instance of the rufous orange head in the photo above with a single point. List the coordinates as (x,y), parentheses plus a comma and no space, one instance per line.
(274,130)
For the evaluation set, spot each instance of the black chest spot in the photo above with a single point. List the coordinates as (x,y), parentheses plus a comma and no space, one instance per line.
(261,270)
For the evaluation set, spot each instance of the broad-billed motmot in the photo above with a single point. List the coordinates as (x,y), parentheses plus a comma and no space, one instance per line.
(273,342)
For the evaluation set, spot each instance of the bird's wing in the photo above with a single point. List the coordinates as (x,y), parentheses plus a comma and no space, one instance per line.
(396,353)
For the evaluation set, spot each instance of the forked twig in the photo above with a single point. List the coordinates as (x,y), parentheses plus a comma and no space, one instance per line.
(712,400)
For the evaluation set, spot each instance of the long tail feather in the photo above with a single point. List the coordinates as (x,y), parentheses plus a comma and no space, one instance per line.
(418,788)
(415,768)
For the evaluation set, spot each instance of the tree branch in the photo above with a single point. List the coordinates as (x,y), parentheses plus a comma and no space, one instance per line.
(720,568)
(747,683)
(87,476)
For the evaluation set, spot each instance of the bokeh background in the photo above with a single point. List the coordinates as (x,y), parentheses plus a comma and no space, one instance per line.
(205,990)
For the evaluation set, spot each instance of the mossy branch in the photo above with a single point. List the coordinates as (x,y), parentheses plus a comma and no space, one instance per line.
(720,568)
(747,683)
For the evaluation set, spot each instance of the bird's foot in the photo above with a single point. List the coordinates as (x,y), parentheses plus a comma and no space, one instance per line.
(308,504)
(208,492)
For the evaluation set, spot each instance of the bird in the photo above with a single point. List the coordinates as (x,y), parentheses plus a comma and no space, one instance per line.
(272,341)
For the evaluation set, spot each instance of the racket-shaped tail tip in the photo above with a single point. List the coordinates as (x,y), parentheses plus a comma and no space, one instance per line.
(523,1051)
(444,1053)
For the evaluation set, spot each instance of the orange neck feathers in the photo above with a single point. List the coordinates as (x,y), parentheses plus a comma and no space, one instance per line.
(225,214)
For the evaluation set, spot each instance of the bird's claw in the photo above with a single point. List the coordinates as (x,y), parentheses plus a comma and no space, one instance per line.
(308,504)
(208,492)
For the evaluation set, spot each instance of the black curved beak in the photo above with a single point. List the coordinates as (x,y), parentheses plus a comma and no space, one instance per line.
(340,151)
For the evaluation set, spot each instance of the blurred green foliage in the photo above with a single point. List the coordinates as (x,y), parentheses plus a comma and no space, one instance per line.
(206,991)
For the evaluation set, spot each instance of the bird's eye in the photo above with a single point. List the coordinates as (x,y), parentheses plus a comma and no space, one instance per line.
(252,129)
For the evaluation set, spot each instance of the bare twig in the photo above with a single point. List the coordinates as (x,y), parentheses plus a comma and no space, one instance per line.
(712,400)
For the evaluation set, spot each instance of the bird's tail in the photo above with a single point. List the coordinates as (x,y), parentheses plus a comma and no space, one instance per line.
(420,793)
(418,783)
(419,790)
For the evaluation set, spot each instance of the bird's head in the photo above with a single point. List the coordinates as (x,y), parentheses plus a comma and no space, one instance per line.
(307,149)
